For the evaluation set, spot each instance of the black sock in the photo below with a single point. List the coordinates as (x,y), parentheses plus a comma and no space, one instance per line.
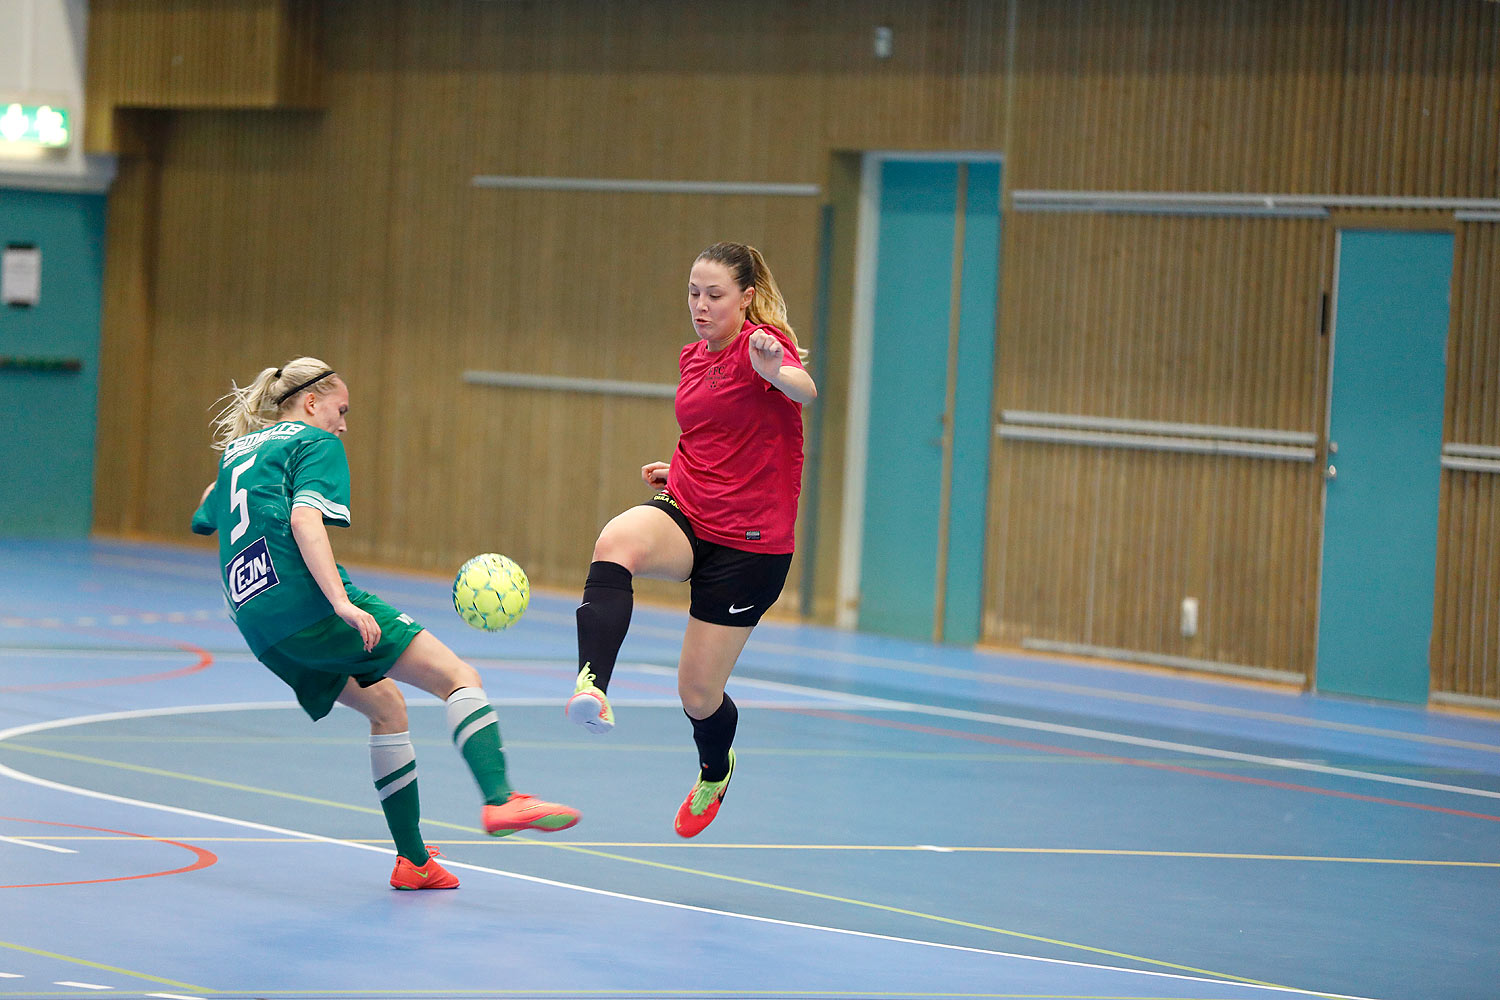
(603,619)
(714,736)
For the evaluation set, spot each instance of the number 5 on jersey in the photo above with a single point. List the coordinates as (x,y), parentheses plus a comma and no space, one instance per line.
(239,499)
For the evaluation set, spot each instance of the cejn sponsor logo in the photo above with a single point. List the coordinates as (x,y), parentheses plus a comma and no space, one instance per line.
(250,573)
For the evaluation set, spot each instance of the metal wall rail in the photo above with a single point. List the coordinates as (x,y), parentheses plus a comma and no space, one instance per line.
(621,185)
(1155,435)
(565,383)
(1234,203)
(1164,660)
(1471,457)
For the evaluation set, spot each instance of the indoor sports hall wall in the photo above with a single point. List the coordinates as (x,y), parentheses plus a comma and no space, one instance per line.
(299,176)
(357,230)
(1219,320)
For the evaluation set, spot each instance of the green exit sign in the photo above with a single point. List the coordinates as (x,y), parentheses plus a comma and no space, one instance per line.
(36,125)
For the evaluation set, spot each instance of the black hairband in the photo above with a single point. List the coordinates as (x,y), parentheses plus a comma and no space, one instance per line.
(292,392)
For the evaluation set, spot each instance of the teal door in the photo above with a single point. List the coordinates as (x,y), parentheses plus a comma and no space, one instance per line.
(931,381)
(1385,432)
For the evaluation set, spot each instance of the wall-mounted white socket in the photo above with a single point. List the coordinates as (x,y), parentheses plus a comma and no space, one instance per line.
(1189,617)
(885,41)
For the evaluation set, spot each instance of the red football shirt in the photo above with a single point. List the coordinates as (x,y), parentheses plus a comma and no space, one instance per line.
(737,471)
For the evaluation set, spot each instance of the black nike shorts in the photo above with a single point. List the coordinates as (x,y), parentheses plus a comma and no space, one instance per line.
(728,586)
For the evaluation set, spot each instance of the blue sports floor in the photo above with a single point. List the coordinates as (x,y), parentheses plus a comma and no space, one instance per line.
(906,821)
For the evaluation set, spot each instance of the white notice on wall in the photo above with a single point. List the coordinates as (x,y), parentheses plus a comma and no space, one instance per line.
(21,275)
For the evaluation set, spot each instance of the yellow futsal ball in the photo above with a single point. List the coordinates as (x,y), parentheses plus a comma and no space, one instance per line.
(491,591)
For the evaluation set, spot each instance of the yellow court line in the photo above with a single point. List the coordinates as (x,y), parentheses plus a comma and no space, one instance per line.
(178,775)
(1429,771)
(1106,694)
(898,848)
(607,994)
(927,916)
(106,968)
(661,992)
(690,871)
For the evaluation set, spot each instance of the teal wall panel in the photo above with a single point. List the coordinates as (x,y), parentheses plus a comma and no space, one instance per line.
(1386,417)
(908,387)
(903,544)
(973,402)
(48,418)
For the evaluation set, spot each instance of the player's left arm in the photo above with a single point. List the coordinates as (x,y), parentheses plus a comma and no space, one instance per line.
(317,553)
(768,357)
(203,520)
(319,484)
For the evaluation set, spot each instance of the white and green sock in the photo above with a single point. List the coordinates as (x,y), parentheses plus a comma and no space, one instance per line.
(476,734)
(393,763)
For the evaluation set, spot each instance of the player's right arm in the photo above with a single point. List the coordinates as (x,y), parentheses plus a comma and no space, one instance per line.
(655,474)
(317,553)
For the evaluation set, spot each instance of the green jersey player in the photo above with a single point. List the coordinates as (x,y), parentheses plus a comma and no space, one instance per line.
(282,478)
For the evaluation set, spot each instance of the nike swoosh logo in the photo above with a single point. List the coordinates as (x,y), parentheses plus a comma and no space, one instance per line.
(734,610)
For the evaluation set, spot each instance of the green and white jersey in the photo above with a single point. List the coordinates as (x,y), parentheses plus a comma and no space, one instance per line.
(262,476)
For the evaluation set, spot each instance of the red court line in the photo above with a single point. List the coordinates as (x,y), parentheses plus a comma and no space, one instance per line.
(204,858)
(1137,762)
(205,660)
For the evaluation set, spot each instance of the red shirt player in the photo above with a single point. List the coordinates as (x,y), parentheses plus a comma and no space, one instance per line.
(737,470)
(723,517)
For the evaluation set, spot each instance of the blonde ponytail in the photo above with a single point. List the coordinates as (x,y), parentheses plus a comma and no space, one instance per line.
(262,403)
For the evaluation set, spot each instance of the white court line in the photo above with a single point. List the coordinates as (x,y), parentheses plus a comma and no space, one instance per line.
(11,975)
(41,847)
(143,713)
(81,986)
(1107,694)
(1109,737)
(844,656)
(886,704)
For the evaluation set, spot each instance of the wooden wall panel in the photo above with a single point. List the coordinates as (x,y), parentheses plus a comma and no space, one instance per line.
(831,368)
(357,235)
(665,89)
(122,493)
(1421,89)
(1160,95)
(1099,546)
(196,54)
(273,241)
(1466,618)
(1196,320)
(1126,535)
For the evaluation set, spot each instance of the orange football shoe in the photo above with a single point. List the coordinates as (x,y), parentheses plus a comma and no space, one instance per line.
(702,804)
(429,876)
(526,812)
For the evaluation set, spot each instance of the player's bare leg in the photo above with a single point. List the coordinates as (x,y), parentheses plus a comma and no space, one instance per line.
(393,765)
(430,665)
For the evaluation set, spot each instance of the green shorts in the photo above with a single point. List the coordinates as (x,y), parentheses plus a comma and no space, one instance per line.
(319,660)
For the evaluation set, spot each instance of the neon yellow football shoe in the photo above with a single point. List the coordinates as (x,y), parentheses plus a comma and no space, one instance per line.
(588,707)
